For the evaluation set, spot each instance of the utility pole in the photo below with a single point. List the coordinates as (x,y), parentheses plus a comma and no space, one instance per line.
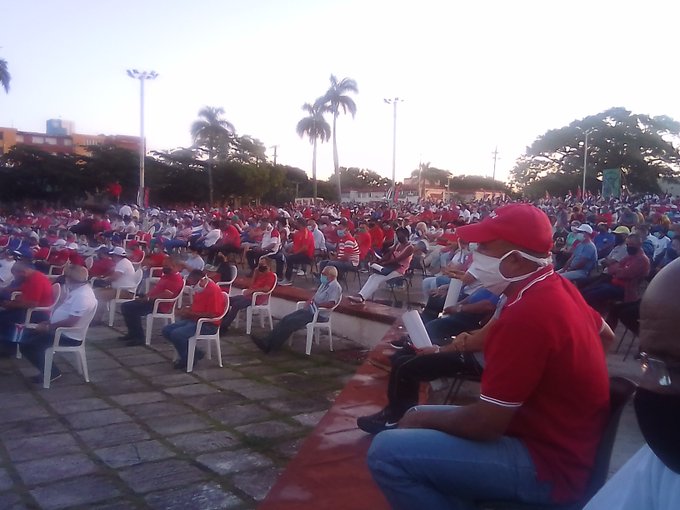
(394,103)
(275,147)
(585,164)
(495,158)
(142,76)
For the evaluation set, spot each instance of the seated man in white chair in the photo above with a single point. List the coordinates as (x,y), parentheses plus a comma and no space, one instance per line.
(327,296)
(74,311)
(263,281)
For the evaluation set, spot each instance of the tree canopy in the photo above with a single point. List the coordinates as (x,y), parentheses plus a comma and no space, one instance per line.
(645,148)
(5,77)
(360,178)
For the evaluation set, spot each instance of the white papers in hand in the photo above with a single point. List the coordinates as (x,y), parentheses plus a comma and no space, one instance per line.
(454,291)
(416,329)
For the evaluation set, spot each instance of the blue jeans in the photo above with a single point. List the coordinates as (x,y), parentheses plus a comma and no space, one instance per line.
(180,332)
(432,282)
(421,468)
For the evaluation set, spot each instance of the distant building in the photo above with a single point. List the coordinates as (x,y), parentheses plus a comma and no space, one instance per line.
(59,138)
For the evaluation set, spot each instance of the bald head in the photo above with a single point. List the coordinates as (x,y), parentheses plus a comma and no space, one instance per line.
(660,314)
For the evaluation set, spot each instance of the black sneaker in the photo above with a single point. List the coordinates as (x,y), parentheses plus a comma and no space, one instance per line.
(135,341)
(261,343)
(377,422)
(180,365)
(125,338)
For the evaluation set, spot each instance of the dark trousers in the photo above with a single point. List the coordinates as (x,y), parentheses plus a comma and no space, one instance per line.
(180,332)
(341,265)
(598,296)
(409,370)
(295,259)
(236,304)
(9,318)
(34,345)
(452,325)
(287,326)
(253,256)
(133,311)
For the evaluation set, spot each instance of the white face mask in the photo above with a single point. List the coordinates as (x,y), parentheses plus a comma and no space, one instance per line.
(487,270)
(197,287)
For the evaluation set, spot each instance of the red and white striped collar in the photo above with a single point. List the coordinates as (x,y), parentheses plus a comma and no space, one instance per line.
(535,278)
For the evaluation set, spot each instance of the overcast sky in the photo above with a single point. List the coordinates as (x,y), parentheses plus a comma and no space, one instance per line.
(473,75)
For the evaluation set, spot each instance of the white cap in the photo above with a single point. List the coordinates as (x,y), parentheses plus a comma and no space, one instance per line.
(59,243)
(118,250)
(72,246)
(584,227)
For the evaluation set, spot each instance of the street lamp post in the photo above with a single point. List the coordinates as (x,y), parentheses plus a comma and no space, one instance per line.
(585,163)
(394,103)
(142,76)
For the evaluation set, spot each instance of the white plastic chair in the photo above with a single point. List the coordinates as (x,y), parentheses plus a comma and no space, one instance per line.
(155,314)
(261,309)
(52,275)
(155,274)
(314,328)
(56,294)
(214,338)
(138,264)
(79,350)
(225,286)
(119,300)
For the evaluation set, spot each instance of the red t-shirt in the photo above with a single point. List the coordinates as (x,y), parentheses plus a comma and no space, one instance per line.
(101,267)
(171,282)
(303,241)
(364,241)
(544,357)
(231,236)
(37,288)
(377,237)
(263,280)
(209,301)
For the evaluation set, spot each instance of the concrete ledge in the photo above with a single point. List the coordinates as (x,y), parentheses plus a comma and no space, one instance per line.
(330,469)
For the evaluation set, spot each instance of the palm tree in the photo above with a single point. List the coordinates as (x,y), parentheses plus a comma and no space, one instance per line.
(332,101)
(4,75)
(316,128)
(213,134)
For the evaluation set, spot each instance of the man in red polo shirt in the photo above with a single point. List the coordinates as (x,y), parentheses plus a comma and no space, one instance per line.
(301,253)
(168,286)
(36,290)
(544,401)
(208,302)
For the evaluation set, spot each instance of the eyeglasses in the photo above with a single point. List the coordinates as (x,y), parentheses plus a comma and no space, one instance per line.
(655,370)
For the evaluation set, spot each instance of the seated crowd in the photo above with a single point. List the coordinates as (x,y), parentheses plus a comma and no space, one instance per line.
(543,287)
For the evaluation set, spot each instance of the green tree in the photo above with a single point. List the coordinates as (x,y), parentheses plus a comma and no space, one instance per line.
(640,145)
(248,150)
(315,127)
(334,100)
(360,178)
(5,77)
(213,135)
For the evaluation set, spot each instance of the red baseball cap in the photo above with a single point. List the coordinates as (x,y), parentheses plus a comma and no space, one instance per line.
(521,224)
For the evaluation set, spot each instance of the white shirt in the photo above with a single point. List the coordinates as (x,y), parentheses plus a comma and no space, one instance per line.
(126,210)
(643,483)
(127,278)
(80,302)
(6,276)
(212,237)
(194,262)
(319,239)
(268,238)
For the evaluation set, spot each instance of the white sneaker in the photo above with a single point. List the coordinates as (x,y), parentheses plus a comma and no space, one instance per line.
(300,272)
(285,283)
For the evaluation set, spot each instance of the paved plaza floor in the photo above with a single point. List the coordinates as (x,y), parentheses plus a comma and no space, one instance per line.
(142,435)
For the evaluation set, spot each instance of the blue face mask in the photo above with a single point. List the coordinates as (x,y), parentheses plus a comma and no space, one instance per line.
(341,233)
(324,279)
(671,234)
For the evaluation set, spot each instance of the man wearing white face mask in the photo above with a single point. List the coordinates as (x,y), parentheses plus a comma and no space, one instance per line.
(533,433)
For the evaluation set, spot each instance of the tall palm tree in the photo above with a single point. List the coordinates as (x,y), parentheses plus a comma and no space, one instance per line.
(316,128)
(333,101)
(213,134)
(4,75)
